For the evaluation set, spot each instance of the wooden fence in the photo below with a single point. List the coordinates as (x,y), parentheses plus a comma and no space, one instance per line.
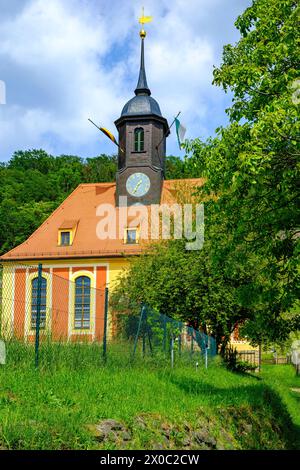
(251,356)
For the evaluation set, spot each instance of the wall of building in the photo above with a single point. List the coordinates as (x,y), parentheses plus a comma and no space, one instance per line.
(60,276)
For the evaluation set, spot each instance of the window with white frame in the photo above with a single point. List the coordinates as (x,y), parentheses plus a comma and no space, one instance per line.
(82,303)
(35,301)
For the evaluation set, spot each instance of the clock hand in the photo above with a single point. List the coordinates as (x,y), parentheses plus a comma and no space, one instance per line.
(137,186)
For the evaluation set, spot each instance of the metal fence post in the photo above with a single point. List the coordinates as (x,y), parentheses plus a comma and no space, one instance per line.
(145,330)
(165,333)
(172,351)
(105,325)
(259,358)
(192,344)
(180,342)
(138,330)
(38,316)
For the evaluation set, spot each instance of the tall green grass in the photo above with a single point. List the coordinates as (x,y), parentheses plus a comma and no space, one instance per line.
(79,355)
(286,383)
(51,408)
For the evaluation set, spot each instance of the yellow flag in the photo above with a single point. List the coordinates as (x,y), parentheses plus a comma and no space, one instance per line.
(145,19)
(109,135)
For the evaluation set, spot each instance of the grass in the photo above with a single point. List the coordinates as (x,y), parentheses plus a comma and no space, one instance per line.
(52,408)
(282,379)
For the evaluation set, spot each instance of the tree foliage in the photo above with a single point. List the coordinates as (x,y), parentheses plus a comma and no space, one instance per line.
(185,286)
(252,166)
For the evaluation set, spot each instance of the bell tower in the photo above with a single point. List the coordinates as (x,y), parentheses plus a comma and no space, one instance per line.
(142,139)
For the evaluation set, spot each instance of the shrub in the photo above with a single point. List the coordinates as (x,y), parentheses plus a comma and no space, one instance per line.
(233,363)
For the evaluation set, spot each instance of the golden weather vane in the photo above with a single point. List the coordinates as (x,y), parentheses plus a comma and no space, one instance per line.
(144,19)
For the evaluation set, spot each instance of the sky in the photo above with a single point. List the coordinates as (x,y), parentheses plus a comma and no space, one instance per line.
(64,61)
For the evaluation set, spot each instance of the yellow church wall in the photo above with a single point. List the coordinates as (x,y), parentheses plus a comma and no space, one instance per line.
(243,346)
(7,302)
(116,268)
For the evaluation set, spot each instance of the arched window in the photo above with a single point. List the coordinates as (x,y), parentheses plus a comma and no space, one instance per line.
(82,302)
(139,139)
(34,302)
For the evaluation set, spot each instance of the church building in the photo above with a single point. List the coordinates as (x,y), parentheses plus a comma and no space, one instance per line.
(77,260)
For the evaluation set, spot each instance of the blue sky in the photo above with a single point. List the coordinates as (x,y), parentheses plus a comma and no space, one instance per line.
(64,61)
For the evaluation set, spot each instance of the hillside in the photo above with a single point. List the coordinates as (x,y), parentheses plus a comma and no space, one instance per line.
(152,407)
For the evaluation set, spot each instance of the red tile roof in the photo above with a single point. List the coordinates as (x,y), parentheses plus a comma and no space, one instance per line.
(68,224)
(79,209)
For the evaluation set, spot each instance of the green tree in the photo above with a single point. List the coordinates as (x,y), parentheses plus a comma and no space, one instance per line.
(18,222)
(183,285)
(178,168)
(32,160)
(101,169)
(252,166)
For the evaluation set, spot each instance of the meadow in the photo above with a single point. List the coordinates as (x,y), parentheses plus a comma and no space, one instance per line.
(58,405)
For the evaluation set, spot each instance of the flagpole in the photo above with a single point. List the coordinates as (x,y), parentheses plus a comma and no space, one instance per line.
(164,137)
(174,119)
(106,136)
(167,131)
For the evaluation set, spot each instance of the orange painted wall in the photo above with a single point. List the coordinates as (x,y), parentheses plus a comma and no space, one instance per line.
(100,301)
(20,303)
(60,303)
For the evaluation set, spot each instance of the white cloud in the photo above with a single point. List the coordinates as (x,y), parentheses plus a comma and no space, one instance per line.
(2,92)
(67,60)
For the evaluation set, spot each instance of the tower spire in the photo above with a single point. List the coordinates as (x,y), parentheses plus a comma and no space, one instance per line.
(142,86)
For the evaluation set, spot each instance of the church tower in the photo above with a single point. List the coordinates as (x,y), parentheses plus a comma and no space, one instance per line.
(142,140)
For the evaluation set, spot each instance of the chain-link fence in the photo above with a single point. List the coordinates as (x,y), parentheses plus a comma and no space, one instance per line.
(153,333)
(53,315)
(49,313)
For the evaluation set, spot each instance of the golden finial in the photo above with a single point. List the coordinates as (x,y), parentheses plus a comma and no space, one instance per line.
(144,19)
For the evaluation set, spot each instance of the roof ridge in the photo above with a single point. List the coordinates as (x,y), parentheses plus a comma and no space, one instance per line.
(186,179)
(113,183)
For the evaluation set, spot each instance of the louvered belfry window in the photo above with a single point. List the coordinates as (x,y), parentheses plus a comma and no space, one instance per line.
(139,139)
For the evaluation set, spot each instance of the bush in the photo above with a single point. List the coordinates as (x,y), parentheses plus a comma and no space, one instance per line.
(233,363)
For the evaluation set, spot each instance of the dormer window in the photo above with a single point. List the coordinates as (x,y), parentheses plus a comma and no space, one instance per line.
(139,139)
(65,238)
(66,232)
(131,236)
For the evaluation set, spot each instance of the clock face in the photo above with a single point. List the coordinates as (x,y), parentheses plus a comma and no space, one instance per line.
(138,184)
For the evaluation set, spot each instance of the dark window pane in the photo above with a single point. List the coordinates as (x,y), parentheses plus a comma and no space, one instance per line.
(82,302)
(139,139)
(34,302)
(65,238)
(131,236)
